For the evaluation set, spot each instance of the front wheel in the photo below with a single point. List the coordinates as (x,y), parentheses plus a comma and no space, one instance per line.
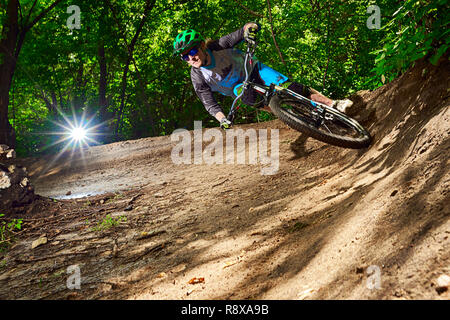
(322,123)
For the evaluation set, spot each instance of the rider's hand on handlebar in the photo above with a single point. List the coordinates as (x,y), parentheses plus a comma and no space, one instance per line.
(225,123)
(250,31)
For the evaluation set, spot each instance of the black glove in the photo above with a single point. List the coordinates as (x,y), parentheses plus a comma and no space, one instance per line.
(225,123)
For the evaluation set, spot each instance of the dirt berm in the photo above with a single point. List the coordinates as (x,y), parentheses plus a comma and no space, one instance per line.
(329,223)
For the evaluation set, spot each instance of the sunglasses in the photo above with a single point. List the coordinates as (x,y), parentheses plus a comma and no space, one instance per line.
(191,53)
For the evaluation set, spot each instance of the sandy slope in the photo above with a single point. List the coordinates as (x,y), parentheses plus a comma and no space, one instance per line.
(316,229)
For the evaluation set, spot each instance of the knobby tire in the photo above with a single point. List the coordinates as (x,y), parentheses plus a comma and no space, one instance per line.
(301,123)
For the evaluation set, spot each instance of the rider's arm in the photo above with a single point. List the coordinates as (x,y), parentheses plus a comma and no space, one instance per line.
(205,94)
(230,40)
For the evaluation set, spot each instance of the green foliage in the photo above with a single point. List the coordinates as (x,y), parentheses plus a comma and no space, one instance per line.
(109,222)
(324,44)
(417,29)
(298,226)
(7,231)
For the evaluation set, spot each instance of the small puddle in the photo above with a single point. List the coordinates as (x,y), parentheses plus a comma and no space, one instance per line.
(76,195)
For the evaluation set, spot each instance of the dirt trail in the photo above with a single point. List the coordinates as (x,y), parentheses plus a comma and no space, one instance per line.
(313,230)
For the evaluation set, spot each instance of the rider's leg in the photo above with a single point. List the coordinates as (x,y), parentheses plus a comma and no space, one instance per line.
(299,88)
(341,105)
(316,96)
(310,93)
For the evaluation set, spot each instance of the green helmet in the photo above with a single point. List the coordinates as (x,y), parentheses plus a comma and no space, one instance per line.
(185,40)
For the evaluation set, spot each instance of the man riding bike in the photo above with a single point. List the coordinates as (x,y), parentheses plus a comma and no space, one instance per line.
(219,67)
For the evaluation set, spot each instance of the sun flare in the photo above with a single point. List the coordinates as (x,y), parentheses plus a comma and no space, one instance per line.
(78,133)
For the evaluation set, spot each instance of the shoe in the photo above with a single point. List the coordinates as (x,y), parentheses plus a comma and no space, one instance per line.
(342,105)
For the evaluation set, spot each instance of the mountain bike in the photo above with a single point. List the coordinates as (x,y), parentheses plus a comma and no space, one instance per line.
(314,119)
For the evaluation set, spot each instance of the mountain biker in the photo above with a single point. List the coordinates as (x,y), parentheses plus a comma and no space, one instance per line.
(218,67)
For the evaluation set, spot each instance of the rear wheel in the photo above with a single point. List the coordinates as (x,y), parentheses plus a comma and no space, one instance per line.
(325,124)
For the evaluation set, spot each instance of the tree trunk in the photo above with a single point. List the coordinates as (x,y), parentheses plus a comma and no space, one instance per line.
(148,7)
(145,100)
(54,103)
(11,42)
(102,101)
(7,66)
(79,99)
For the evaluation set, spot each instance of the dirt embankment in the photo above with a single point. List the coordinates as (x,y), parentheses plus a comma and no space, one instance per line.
(330,223)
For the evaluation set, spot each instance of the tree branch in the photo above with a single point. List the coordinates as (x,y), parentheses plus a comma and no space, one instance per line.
(130,48)
(328,49)
(20,13)
(248,10)
(29,14)
(273,37)
(27,27)
(42,14)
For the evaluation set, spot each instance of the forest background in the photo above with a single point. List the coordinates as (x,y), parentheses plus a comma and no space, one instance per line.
(110,62)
